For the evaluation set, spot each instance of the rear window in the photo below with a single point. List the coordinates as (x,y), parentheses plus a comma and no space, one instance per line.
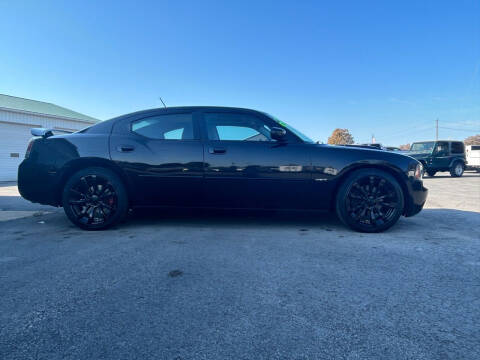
(458,148)
(475,147)
(166,127)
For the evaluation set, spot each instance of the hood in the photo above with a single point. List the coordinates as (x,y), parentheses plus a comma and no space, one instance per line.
(341,157)
(368,152)
(418,155)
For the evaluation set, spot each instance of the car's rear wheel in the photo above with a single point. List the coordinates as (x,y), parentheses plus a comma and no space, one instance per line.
(457,169)
(370,200)
(95,198)
(431,173)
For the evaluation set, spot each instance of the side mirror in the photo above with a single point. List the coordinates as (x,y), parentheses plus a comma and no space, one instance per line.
(278,133)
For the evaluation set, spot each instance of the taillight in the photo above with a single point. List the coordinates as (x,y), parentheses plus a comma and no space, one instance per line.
(29,148)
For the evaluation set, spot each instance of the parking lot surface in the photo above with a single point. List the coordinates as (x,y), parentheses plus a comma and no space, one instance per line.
(229,285)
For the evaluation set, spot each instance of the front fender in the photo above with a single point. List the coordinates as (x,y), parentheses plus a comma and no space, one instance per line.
(332,164)
(380,164)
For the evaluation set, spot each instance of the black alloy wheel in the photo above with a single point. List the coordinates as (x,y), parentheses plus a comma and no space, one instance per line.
(94,199)
(431,173)
(370,200)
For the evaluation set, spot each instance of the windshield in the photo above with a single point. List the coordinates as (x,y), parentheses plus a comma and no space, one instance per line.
(424,147)
(305,138)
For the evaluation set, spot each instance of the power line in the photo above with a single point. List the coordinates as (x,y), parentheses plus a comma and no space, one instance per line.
(407,132)
(421,129)
(410,129)
(443,127)
(461,123)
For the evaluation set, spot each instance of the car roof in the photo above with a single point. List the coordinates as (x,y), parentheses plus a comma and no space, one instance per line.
(105,125)
(184,108)
(147,112)
(193,108)
(202,107)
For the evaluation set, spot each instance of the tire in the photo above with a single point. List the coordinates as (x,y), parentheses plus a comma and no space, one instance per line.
(358,198)
(431,173)
(95,199)
(457,169)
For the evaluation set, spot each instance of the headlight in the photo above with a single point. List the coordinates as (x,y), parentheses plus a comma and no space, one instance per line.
(416,172)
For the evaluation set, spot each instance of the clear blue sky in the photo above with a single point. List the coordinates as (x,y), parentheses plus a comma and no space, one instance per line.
(384,67)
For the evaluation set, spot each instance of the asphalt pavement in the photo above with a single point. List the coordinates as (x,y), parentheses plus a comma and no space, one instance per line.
(233,285)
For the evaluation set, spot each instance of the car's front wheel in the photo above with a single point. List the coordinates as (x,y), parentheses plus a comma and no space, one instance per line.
(457,169)
(431,173)
(95,198)
(370,200)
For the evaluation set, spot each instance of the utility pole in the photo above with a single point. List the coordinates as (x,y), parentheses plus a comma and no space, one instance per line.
(436,129)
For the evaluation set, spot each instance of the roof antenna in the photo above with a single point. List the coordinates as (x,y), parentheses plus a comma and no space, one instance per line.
(165,106)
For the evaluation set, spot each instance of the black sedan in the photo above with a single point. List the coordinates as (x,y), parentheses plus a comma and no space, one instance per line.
(214,157)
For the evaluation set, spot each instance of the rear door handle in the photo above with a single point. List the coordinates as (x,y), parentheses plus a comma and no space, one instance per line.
(125,148)
(217,150)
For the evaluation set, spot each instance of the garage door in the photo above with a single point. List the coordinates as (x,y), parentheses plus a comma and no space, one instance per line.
(13,145)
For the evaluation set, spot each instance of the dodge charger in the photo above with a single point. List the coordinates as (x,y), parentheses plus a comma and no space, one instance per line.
(214,157)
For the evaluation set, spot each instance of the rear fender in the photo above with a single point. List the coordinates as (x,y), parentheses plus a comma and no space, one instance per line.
(75,165)
(457,159)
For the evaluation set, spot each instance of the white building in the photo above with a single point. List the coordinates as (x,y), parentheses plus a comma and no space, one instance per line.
(18,116)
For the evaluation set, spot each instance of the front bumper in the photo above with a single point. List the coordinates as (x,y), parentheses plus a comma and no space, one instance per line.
(417,196)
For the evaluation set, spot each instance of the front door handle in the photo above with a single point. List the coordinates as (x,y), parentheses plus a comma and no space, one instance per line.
(217,150)
(125,148)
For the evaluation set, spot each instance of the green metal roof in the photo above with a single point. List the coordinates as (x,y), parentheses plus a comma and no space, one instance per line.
(40,107)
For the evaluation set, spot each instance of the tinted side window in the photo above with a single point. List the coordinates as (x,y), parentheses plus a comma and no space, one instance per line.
(457,148)
(166,127)
(236,127)
(441,149)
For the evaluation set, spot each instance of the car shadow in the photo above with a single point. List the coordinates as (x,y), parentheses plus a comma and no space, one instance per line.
(232,218)
(431,219)
(429,225)
(428,220)
(17,203)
